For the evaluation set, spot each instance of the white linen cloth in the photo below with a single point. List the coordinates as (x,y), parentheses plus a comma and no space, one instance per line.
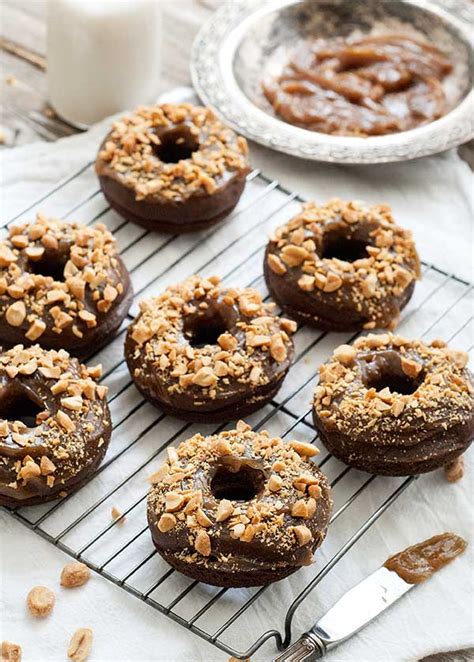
(433,197)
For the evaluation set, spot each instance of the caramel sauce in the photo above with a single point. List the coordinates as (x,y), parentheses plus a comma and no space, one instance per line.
(366,86)
(421,561)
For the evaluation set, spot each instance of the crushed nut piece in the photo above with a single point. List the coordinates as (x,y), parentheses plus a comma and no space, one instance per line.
(345,354)
(303,534)
(81,645)
(166,522)
(202,543)
(454,471)
(174,502)
(75,574)
(117,515)
(304,449)
(40,601)
(224,510)
(11,652)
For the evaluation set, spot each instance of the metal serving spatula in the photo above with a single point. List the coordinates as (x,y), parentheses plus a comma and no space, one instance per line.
(362,604)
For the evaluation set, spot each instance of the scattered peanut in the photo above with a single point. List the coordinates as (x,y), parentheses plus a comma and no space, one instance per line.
(75,574)
(11,652)
(454,471)
(40,601)
(80,646)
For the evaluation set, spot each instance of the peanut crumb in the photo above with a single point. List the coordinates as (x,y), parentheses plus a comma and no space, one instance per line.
(454,471)
(75,574)
(40,601)
(81,644)
(11,652)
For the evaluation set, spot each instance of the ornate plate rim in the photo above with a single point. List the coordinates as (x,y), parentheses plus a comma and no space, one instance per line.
(213,80)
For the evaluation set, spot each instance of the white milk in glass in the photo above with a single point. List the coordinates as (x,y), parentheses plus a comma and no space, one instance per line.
(103,56)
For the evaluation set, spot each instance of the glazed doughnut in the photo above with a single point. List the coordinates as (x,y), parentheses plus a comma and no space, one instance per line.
(173,168)
(391,406)
(207,354)
(54,424)
(342,266)
(62,286)
(239,508)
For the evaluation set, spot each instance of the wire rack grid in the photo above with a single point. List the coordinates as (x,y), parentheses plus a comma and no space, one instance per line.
(80,524)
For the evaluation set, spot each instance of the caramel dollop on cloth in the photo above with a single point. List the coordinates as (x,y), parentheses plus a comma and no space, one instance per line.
(62,285)
(342,266)
(54,424)
(173,168)
(388,405)
(207,353)
(239,508)
(361,86)
(419,562)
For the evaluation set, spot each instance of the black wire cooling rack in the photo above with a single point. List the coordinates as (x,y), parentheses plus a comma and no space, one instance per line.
(121,550)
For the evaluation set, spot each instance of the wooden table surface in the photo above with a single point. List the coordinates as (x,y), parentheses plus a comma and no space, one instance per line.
(26,117)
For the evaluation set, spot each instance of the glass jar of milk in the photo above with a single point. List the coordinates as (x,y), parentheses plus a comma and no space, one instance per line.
(103,56)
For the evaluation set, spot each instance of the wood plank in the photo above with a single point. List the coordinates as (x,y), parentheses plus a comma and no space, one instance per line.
(24,22)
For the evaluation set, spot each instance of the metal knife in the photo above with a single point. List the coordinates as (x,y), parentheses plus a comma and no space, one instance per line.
(352,612)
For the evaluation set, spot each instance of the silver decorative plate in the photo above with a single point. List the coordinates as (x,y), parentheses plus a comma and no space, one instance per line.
(244,38)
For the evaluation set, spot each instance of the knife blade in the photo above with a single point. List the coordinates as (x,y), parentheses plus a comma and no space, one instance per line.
(360,605)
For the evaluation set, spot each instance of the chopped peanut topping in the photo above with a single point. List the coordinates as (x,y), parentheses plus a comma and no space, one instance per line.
(67,427)
(443,394)
(303,534)
(288,488)
(245,354)
(55,305)
(10,652)
(203,543)
(373,283)
(167,522)
(130,155)
(304,449)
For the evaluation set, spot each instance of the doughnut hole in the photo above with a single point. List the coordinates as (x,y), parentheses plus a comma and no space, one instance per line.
(205,326)
(18,404)
(344,247)
(384,370)
(176,144)
(51,264)
(237,480)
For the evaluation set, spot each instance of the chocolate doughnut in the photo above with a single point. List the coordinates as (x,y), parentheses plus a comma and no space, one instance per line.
(208,354)
(342,266)
(61,285)
(173,168)
(391,406)
(54,424)
(239,508)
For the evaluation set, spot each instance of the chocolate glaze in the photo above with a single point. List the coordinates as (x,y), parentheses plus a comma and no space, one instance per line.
(233,562)
(434,448)
(188,215)
(234,398)
(201,164)
(72,471)
(321,310)
(403,445)
(93,339)
(347,308)
(192,406)
(419,562)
